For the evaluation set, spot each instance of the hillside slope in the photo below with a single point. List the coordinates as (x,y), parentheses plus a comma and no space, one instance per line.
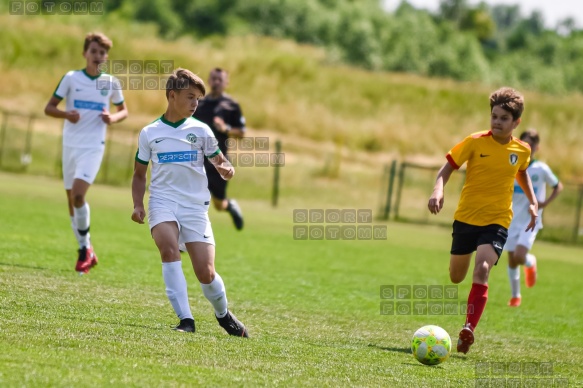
(285,88)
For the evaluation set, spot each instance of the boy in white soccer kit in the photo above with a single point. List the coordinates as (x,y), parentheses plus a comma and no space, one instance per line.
(177,188)
(88,93)
(519,241)
(176,144)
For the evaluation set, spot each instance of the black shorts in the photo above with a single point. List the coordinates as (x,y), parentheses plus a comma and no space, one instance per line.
(466,237)
(217,185)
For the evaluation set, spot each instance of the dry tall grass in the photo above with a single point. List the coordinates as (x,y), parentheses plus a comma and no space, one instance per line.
(289,89)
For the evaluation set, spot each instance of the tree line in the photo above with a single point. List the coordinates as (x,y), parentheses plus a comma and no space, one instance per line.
(492,44)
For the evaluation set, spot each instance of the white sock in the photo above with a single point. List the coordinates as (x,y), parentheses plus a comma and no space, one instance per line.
(514,276)
(216,294)
(82,217)
(530,260)
(75,231)
(176,289)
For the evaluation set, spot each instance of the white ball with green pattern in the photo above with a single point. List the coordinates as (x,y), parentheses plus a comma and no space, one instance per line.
(431,345)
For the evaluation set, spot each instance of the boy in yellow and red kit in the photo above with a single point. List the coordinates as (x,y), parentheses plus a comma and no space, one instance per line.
(494,160)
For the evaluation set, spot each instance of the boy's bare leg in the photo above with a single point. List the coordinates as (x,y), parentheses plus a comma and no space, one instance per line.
(81,220)
(514,278)
(458,267)
(81,211)
(72,217)
(486,257)
(165,236)
(202,256)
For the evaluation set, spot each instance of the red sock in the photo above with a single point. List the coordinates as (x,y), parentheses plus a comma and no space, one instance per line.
(476,304)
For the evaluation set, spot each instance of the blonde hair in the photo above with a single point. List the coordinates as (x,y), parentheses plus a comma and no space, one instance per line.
(99,38)
(182,79)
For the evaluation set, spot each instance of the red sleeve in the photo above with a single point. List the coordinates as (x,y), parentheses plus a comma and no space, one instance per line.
(452,162)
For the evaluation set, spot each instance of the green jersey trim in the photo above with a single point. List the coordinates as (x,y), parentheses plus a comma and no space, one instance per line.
(214,154)
(57,88)
(170,123)
(91,77)
(140,160)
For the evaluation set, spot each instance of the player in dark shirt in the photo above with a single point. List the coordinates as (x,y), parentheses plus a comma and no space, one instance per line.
(223,114)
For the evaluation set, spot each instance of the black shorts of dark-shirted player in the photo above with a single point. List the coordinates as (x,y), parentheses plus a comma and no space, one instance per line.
(223,115)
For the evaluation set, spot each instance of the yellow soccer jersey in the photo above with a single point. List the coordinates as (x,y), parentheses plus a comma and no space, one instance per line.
(492,167)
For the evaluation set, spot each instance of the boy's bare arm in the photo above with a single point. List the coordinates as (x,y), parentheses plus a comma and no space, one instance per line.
(52,110)
(122,113)
(556,190)
(436,200)
(526,185)
(223,166)
(138,191)
(221,126)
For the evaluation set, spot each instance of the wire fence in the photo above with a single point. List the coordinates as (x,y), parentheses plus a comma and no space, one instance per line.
(33,144)
(407,187)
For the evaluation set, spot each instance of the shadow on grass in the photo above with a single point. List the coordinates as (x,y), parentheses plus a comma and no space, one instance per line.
(21,266)
(116,323)
(418,364)
(391,349)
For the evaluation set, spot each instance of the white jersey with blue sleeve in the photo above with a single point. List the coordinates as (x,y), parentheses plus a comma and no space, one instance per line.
(87,95)
(177,153)
(541,175)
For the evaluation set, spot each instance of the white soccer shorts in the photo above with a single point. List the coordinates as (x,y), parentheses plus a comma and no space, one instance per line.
(193,221)
(517,236)
(81,163)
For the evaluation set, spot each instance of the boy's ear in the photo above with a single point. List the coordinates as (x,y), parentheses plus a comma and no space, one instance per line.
(518,120)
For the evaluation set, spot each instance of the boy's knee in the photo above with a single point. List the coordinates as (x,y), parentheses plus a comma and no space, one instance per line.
(482,269)
(456,278)
(519,259)
(205,276)
(169,254)
(78,200)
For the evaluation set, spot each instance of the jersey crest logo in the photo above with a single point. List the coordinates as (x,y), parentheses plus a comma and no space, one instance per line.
(191,137)
(104,92)
(534,178)
(513,159)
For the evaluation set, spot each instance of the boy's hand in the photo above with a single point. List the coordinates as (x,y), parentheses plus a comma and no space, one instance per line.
(219,124)
(73,116)
(139,214)
(436,201)
(106,116)
(533,210)
(226,172)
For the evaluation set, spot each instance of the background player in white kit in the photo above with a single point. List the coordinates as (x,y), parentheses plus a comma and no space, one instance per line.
(88,93)
(519,241)
(176,144)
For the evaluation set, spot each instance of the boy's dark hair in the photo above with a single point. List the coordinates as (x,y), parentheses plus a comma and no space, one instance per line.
(530,134)
(182,79)
(219,70)
(99,38)
(509,100)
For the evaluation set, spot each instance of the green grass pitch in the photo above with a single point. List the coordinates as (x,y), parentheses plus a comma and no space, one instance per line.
(312,307)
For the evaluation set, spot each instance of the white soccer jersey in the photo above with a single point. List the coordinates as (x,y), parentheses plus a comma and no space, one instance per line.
(541,176)
(177,153)
(89,96)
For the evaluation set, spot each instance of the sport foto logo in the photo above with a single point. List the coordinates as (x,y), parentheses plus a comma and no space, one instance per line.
(325,224)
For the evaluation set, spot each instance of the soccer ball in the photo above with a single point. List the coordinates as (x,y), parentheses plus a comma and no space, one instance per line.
(431,345)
